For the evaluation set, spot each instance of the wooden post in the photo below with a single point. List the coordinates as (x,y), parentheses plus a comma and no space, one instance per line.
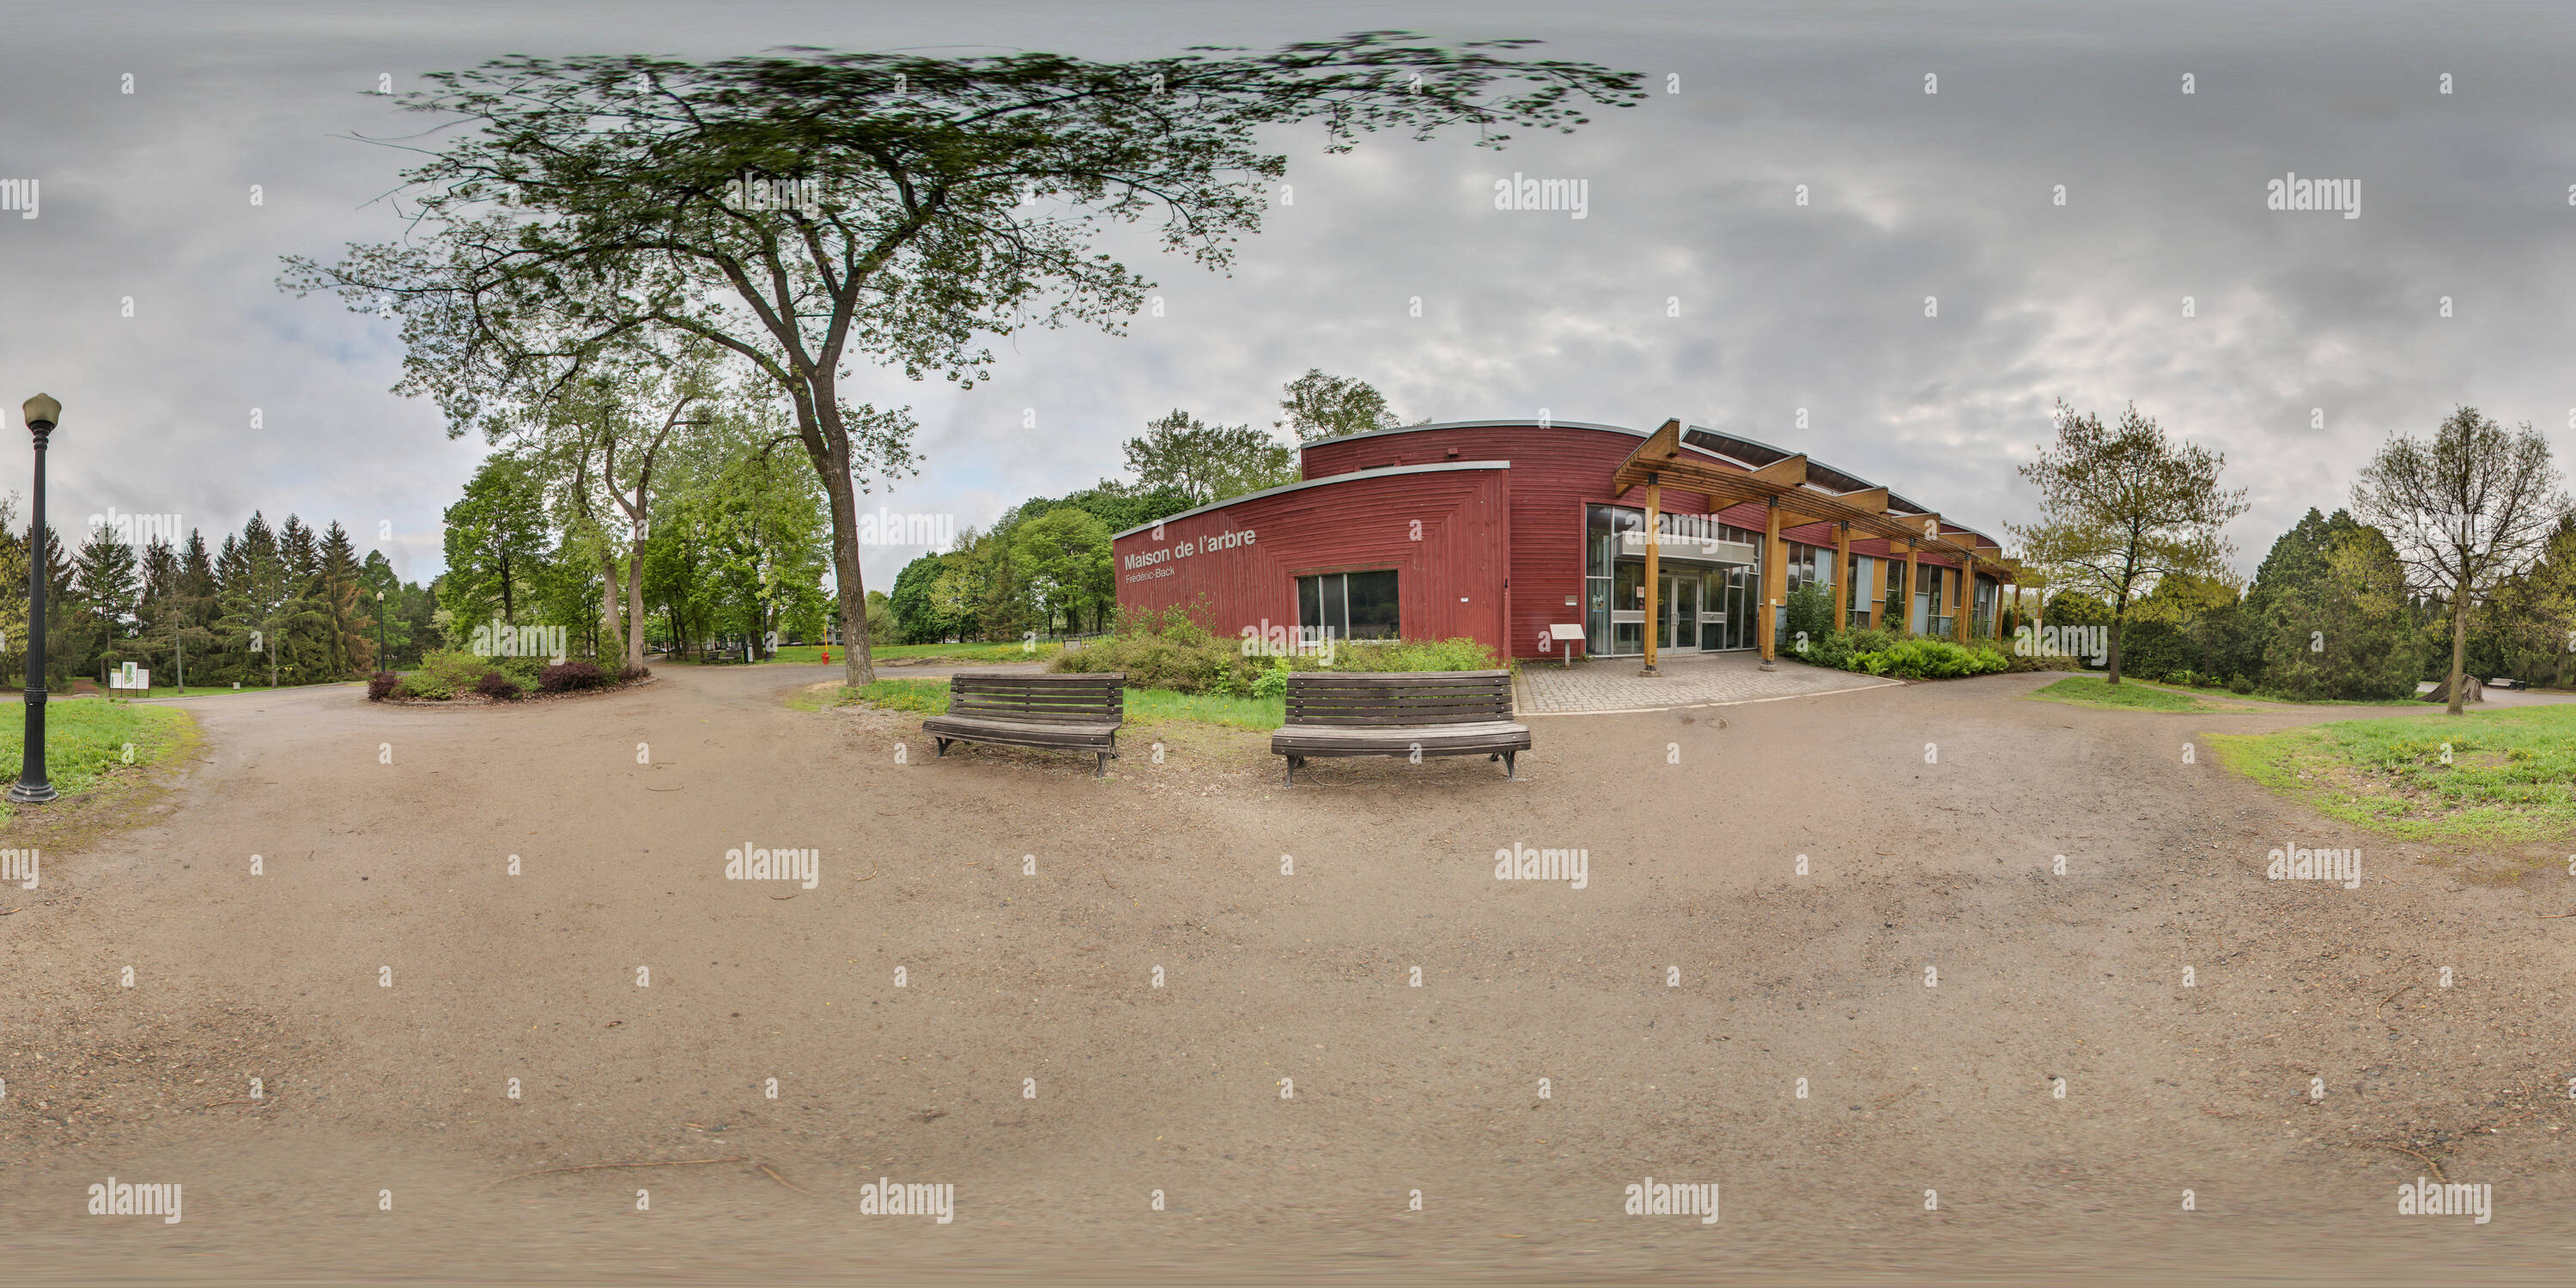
(1905,605)
(1967,599)
(1775,557)
(1842,575)
(1654,567)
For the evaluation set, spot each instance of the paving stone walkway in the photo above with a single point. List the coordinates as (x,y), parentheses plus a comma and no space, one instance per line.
(1688,680)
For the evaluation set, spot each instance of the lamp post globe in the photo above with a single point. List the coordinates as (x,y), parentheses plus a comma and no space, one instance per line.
(32,787)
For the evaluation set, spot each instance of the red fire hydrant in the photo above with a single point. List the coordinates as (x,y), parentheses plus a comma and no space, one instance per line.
(827,655)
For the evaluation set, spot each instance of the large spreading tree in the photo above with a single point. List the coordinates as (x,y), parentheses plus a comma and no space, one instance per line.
(2122,508)
(813,210)
(2467,511)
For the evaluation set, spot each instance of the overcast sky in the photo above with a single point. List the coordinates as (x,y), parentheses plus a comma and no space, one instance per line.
(2299,317)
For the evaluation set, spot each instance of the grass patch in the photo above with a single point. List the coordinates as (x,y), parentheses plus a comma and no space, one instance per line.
(2128,695)
(85,742)
(2510,776)
(1263,714)
(930,697)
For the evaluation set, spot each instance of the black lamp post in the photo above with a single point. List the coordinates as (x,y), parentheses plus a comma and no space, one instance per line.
(32,788)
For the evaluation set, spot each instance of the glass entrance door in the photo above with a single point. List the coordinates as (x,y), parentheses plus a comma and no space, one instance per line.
(1677,602)
(1730,597)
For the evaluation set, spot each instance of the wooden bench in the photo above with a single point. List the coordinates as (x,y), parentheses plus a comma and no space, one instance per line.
(1397,713)
(1025,709)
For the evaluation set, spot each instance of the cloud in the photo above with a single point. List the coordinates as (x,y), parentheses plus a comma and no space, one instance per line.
(1692,199)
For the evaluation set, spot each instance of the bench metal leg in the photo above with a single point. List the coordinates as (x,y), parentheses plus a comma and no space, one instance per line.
(1102,769)
(1509,770)
(943,746)
(1292,770)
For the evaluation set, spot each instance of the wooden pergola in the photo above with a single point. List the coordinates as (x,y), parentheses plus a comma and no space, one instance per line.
(1781,488)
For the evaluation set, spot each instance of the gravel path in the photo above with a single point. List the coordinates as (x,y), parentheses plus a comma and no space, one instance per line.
(1672,1005)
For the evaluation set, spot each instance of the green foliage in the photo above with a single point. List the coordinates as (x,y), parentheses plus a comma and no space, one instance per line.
(2075,608)
(1919,658)
(1169,650)
(1321,406)
(2123,509)
(1455,654)
(2467,513)
(882,624)
(496,534)
(1810,613)
(1877,652)
(1064,556)
(1208,462)
(2333,611)
(1166,650)
(444,673)
(941,203)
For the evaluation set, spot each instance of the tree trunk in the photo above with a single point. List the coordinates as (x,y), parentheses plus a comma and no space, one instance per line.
(635,603)
(611,629)
(2459,647)
(856,666)
(2118,620)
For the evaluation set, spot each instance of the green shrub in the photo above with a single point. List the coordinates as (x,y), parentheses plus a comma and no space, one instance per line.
(430,687)
(1273,683)
(1166,651)
(1169,651)
(2238,684)
(522,669)
(444,673)
(1809,612)
(1929,659)
(1454,654)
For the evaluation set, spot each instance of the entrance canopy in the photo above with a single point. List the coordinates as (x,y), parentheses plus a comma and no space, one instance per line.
(1781,488)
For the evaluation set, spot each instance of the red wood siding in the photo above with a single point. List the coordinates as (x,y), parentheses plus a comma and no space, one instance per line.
(1500,550)
(1449,581)
(1555,472)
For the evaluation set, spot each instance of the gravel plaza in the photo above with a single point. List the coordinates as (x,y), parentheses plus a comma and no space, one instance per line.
(1688,680)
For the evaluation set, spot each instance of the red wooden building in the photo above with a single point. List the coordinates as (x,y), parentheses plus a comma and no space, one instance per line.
(1506,531)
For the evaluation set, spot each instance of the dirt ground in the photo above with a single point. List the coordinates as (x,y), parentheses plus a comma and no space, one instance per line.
(1671,1006)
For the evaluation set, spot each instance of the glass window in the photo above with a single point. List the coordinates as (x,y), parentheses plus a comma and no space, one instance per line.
(1372,605)
(1349,605)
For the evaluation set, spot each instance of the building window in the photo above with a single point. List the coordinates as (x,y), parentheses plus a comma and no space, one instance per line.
(1349,605)
(1856,599)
